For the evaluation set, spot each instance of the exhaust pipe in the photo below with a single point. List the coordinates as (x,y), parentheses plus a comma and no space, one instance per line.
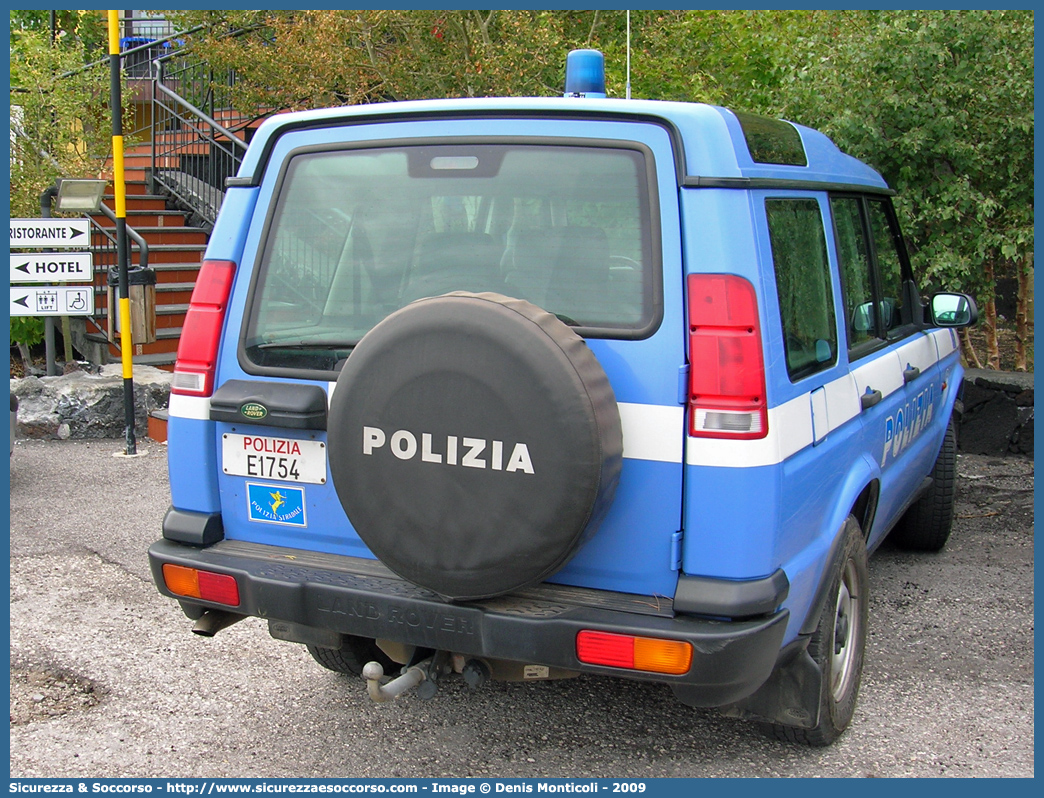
(213,621)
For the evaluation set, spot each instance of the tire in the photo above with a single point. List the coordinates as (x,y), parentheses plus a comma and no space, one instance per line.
(474,443)
(354,653)
(927,522)
(838,645)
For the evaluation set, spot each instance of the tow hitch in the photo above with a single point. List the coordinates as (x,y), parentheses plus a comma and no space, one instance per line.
(424,675)
(373,672)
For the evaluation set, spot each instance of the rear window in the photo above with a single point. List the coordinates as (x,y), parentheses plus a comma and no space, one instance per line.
(772,140)
(356,234)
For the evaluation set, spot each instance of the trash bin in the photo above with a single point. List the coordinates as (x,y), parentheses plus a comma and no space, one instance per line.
(142,294)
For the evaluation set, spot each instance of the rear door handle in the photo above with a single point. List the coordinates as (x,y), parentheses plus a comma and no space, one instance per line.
(910,374)
(869,399)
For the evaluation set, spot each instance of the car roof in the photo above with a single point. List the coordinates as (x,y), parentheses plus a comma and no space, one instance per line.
(709,140)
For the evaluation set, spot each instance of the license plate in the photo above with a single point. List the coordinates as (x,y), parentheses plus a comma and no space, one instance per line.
(286,459)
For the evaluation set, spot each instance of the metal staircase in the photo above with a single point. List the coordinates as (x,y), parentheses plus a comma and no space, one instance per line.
(175,251)
(195,138)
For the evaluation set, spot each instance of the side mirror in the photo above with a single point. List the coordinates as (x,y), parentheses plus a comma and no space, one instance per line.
(953,310)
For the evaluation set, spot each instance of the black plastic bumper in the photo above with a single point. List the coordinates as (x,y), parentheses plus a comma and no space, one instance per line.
(539,625)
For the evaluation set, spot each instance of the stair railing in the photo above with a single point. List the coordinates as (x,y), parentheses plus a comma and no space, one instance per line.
(104,249)
(194,147)
(194,150)
(135,54)
(192,153)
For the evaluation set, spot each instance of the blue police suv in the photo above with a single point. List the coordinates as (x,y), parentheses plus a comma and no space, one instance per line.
(525,388)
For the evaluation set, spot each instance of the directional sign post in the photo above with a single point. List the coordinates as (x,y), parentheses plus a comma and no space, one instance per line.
(50,233)
(51,266)
(34,267)
(52,300)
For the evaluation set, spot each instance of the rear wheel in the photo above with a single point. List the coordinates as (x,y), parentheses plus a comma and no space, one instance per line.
(353,654)
(838,645)
(927,523)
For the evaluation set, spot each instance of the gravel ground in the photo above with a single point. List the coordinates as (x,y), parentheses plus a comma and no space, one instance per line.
(107,681)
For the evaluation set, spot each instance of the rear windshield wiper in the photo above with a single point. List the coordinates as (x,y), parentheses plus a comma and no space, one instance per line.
(302,345)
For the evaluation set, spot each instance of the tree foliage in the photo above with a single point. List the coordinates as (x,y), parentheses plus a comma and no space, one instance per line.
(86,28)
(319,58)
(940,102)
(59,123)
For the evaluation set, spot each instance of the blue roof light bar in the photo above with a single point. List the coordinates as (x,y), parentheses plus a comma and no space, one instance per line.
(585,74)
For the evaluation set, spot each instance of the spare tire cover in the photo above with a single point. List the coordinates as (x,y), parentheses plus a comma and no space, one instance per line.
(474,443)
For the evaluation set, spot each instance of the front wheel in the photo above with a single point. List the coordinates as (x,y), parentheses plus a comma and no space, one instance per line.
(838,645)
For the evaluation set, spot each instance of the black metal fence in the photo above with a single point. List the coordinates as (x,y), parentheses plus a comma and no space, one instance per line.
(192,153)
(199,131)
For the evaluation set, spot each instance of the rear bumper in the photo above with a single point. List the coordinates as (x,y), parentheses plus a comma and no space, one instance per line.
(539,625)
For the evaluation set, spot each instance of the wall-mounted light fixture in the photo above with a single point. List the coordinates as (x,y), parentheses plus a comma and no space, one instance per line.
(79,195)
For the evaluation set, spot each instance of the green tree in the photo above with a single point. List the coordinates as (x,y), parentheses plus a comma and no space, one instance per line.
(727,58)
(941,102)
(58,126)
(26,331)
(379,55)
(87,28)
(59,121)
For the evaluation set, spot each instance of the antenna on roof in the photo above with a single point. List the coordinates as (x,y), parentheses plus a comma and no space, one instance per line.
(628,91)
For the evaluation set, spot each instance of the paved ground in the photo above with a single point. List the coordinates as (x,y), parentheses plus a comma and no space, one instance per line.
(107,681)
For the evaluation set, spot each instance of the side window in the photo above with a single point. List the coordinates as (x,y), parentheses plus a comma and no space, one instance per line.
(889,267)
(853,255)
(806,301)
(872,271)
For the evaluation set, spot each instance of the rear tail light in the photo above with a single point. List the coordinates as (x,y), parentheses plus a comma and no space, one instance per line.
(193,583)
(201,335)
(726,365)
(650,654)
